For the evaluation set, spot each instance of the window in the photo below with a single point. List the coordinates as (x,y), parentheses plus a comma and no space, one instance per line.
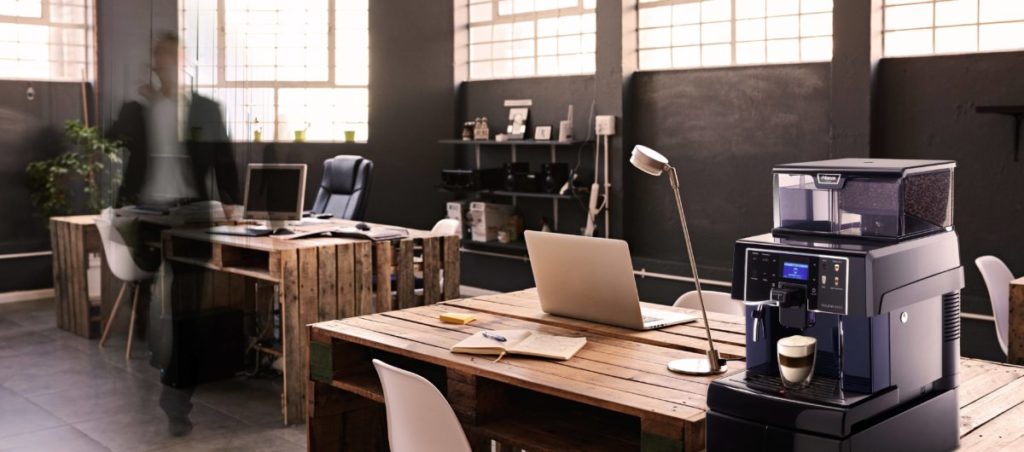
(527,38)
(926,27)
(691,34)
(278,67)
(47,40)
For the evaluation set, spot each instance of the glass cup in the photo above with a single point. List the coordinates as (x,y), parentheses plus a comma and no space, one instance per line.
(796,356)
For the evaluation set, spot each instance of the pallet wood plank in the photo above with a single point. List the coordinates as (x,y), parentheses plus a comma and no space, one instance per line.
(363,277)
(1015,331)
(406,278)
(431,270)
(382,253)
(992,405)
(79,262)
(328,282)
(58,270)
(452,267)
(308,312)
(1000,434)
(293,337)
(347,304)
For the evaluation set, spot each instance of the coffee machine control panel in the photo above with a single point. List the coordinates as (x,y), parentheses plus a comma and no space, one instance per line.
(820,281)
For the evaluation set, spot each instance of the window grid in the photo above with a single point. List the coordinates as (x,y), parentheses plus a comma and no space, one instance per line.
(47,40)
(527,38)
(930,27)
(279,67)
(691,34)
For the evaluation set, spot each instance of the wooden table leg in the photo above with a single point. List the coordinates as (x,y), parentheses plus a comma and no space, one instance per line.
(474,400)
(1015,332)
(658,436)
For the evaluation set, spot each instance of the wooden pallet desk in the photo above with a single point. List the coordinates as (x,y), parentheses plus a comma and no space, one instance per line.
(318,279)
(614,395)
(73,239)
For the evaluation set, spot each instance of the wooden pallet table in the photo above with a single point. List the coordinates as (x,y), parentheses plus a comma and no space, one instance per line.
(319,279)
(615,394)
(73,239)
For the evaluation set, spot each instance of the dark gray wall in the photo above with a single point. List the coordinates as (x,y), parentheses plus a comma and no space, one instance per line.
(30,130)
(925,110)
(723,129)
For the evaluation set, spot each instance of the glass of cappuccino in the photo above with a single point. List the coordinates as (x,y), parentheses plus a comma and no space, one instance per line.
(796,360)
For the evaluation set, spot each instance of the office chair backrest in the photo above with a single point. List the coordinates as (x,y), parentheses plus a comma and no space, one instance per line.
(345,187)
(118,254)
(446,226)
(419,417)
(713,301)
(997,278)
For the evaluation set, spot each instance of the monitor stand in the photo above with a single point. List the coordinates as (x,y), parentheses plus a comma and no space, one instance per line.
(278,227)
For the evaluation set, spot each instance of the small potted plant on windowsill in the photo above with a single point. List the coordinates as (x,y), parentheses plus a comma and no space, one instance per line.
(54,182)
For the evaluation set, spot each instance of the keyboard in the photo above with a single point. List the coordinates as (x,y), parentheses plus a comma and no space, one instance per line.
(244,231)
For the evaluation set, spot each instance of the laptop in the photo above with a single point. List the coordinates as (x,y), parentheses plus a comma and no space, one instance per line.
(591,279)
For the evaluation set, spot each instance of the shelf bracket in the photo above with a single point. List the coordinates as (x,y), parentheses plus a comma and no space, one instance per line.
(1015,112)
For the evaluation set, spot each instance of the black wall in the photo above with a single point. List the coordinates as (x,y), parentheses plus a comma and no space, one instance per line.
(30,130)
(925,109)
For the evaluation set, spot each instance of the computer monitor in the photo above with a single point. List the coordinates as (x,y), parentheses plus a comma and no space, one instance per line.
(275,192)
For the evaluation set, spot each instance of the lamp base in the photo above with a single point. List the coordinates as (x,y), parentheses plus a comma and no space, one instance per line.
(695,366)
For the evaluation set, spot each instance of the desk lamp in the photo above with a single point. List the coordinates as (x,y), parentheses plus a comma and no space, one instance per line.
(652,162)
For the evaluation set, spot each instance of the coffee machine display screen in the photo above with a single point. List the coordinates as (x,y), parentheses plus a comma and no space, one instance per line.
(795,271)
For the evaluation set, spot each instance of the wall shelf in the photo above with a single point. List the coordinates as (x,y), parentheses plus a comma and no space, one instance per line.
(513,142)
(514,194)
(1014,111)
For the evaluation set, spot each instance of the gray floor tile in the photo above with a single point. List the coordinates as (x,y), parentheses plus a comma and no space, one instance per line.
(131,432)
(57,439)
(18,415)
(253,440)
(61,392)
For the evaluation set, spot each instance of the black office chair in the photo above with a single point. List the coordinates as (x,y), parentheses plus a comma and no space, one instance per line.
(345,187)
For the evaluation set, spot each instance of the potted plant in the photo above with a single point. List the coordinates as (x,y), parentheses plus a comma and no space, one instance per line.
(52,181)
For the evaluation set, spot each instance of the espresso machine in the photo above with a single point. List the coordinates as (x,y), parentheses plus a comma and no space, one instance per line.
(863,258)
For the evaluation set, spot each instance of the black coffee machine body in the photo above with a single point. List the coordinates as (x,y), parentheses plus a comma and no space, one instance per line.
(864,259)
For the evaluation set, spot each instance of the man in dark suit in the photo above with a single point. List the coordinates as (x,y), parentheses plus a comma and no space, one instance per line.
(178,153)
(194,147)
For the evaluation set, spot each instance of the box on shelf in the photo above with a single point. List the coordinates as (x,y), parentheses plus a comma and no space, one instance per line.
(456,210)
(487,219)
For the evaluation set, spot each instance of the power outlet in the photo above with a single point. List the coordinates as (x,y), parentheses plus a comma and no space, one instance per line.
(604,125)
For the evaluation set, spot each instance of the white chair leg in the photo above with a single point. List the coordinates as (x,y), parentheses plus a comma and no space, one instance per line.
(131,323)
(113,313)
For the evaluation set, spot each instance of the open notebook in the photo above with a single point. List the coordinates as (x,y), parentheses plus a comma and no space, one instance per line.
(521,342)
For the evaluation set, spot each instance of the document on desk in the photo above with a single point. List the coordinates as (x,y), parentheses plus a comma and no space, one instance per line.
(520,342)
(376,234)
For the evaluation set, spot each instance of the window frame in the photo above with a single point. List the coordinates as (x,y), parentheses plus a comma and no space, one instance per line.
(222,81)
(733,43)
(534,16)
(88,29)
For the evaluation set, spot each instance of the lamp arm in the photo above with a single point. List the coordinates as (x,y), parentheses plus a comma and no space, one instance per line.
(674,181)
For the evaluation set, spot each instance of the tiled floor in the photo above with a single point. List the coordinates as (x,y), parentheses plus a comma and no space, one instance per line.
(59,392)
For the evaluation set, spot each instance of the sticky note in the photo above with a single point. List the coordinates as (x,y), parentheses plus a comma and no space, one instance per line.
(457,318)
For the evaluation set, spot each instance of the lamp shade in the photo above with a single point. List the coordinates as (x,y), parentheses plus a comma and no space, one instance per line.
(648,160)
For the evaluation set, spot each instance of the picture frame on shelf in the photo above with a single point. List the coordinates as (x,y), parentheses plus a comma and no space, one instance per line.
(542,133)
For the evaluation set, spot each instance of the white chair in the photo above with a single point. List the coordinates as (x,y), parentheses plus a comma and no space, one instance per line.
(997,279)
(419,417)
(122,265)
(713,301)
(446,226)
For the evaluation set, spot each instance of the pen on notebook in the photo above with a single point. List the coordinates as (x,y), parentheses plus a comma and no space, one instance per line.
(495,337)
